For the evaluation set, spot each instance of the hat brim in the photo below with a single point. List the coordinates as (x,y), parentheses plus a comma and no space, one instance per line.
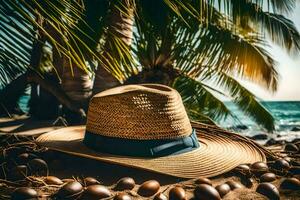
(217,154)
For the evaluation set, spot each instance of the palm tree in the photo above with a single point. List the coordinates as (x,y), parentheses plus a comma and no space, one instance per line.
(196,51)
(118,38)
(22,26)
(193,45)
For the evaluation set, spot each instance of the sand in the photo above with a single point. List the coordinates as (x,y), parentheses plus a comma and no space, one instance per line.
(66,166)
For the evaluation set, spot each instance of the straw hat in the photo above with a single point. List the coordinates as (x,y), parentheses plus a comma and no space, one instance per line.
(146,126)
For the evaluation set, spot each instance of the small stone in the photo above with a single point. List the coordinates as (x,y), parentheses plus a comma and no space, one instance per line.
(95,192)
(290,184)
(260,137)
(122,196)
(53,180)
(67,180)
(272,141)
(268,177)
(160,196)
(296,140)
(177,193)
(206,192)
(259,168)
(240,127)
(268,190)
(90,181)
(291,148)
(125,183)
(149,188)
(70,189)
(243,169)
(248,182)
(234,185)
(296,128)
(281,165)
(38,167)
(23,158)
(223,189)
(24,193)
(203,180)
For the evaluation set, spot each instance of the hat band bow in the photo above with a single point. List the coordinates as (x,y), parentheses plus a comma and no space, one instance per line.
(141,148)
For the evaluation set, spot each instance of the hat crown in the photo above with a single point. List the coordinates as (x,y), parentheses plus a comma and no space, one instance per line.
(141,112)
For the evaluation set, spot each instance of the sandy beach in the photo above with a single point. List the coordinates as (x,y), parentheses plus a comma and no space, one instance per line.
(17,138)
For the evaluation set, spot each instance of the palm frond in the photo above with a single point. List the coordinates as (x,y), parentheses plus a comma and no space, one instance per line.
(213,44)
(277,5)
(22,20)
(16,40)
(224,50)
(92,25)
(202,10)
(199,99)
(204,50)
(281,30)
(154,12)
(115,49)
(196,115)
(243,98)
(8,68)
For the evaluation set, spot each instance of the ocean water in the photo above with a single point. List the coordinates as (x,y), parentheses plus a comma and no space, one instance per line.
(24,100)
(285,113)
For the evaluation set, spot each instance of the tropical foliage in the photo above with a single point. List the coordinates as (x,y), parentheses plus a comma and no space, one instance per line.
(200,47)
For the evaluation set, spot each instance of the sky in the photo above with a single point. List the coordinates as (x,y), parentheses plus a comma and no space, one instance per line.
(288,68)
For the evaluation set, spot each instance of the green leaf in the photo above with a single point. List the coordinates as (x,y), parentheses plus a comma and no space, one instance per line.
(244,99)
(199,99)
(281,29)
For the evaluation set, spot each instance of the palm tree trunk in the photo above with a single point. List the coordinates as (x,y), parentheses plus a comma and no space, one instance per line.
(62,85)
(76,83)
(120,25)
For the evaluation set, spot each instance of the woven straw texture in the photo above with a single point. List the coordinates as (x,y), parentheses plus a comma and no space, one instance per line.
(140,112)
(155,112)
